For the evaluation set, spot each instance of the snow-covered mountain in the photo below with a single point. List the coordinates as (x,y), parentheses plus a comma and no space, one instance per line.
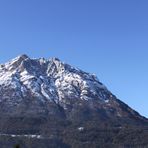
(48,80)
(52,81)
(47,96)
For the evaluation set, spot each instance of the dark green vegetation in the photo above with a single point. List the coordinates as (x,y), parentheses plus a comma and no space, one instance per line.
(91,137)
(81,127)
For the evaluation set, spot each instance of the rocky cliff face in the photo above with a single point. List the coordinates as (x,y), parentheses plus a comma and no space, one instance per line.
(41,94)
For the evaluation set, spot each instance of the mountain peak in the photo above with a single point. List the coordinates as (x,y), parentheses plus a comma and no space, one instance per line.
(14,63)
(20,58)
(23,56)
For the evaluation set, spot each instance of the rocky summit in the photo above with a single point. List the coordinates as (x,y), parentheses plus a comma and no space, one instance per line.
(47,103)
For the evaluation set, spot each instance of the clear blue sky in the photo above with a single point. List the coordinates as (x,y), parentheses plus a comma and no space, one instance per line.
(106,37)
